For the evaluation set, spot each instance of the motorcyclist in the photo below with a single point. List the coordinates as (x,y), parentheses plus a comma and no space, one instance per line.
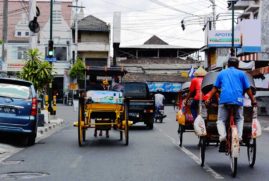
(159,99)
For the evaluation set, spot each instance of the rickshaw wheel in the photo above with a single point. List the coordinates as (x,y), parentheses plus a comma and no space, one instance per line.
(251,149)
(233,158)
(81,136)
(121,135)
(126,127)
(233,165)
(180,133)
(202,150)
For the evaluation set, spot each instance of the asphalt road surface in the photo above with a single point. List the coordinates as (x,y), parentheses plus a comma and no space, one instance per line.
(151,155)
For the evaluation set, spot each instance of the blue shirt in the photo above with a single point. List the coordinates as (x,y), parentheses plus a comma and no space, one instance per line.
(233,83)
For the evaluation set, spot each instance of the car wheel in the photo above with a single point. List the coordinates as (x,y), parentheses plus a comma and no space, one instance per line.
(150,124)
(31,139)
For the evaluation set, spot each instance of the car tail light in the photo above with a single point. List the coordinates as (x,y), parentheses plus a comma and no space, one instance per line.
(148,111)
(34,107)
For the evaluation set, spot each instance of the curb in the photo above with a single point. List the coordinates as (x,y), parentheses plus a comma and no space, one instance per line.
(49,126)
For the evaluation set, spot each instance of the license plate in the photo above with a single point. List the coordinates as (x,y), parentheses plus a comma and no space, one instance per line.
(134,114)
(7,110)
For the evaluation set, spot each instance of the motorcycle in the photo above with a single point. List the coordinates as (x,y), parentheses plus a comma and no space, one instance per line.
(159,114)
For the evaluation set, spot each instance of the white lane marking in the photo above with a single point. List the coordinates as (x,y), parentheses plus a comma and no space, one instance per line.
(76,162)
(192,156)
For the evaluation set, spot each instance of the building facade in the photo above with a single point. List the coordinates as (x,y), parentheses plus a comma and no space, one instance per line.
(164,67)
(93,41)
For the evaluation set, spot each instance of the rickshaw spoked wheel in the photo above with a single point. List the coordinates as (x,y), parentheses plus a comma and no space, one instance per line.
(251,149)
(202,150)
(233,158)
(180,133)
(126,127)
(81,131)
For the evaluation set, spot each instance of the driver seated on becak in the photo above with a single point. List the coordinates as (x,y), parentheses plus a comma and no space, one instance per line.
(233,83)
(195,91)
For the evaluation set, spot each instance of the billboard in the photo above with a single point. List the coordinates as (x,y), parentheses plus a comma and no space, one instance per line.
(164,86)
(223,39)
(251,39)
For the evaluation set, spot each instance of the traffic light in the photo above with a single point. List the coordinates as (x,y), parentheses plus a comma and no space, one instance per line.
(182,25)
(50,49)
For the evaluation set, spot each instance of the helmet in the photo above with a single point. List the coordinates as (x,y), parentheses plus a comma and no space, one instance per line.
(105,82)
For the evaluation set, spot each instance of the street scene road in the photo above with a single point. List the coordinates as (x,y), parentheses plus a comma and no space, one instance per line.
(151,155)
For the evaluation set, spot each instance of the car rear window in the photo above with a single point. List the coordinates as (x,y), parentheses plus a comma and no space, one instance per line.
(14,91)
(135,90)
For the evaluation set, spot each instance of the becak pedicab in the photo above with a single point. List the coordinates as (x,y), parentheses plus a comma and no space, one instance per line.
(250,131)
(184,116)
(103,109)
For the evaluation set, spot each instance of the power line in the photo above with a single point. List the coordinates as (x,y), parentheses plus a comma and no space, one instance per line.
(170,7)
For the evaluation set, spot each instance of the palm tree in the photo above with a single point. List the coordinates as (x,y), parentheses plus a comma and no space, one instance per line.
(37,71)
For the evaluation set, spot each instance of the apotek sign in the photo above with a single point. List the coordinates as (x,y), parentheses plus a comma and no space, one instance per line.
(223,39)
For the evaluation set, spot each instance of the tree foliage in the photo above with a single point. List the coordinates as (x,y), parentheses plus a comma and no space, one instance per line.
(38,72)
(78,69)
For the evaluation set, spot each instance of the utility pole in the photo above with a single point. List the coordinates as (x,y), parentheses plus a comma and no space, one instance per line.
(232,3)
(5,41)
(76,28)
(50,40)
(32,14)
(213,13)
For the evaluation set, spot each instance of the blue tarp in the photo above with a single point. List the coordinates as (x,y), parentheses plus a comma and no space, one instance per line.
(164,86)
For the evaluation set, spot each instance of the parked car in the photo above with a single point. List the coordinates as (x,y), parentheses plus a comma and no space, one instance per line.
(18,109)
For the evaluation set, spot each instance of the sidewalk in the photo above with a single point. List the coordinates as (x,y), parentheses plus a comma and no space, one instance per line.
(52,123)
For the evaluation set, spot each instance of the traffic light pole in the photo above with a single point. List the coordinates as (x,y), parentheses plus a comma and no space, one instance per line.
(50,40)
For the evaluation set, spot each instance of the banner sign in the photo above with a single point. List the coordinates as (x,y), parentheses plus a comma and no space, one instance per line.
(164,86)
(223,39)
(106,97)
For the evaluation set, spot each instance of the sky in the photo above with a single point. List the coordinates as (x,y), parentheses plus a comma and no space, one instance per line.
(143,18)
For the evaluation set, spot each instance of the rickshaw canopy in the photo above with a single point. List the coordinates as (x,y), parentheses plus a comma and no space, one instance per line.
(105,71)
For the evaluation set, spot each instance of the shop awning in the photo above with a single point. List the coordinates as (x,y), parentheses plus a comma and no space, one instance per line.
(260,71)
